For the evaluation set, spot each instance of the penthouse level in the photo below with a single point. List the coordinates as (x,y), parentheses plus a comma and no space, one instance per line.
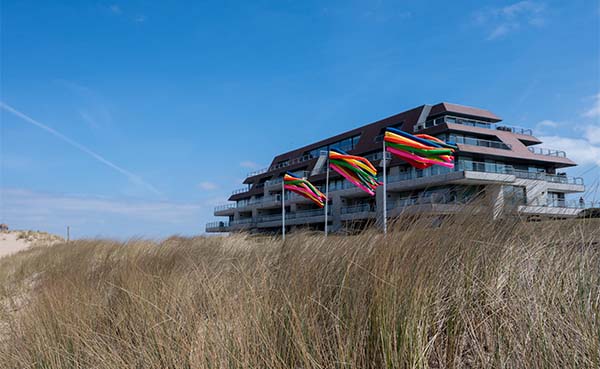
(500,167)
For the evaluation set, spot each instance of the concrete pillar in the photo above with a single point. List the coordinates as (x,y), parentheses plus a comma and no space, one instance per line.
(495,197)
(379,204)
(336,211)
(536,192)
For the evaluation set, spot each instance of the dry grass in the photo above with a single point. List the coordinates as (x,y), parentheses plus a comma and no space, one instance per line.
(464,295)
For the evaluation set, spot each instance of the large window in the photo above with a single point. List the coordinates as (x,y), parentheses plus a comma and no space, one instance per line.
(515,195)
(346,144)
(379,137)
(457,120)
(474,141)
(556,199)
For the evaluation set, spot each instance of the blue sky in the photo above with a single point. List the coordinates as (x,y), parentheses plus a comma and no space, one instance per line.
(135,118)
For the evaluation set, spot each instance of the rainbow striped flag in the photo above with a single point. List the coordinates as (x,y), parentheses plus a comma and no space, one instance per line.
(421,151)
(304,188)
(356,169)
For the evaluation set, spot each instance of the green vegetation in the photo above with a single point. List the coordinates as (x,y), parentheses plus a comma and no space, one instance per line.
(467,294)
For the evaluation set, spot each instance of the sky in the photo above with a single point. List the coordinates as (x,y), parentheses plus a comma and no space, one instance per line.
(135,118)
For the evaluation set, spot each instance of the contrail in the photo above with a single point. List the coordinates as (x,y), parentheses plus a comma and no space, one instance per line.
(132,177)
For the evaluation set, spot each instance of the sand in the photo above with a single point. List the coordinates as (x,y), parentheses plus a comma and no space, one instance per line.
(14,241)
(9,244)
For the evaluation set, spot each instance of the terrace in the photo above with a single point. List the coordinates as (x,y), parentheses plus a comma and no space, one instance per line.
(547,152)
(475,123)
(284,164)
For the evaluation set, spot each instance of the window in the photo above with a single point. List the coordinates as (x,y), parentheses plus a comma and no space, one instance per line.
(556,199)
(346,144)
(515,195)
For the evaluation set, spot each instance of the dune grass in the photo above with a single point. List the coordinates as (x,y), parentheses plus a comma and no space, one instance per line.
(467,294)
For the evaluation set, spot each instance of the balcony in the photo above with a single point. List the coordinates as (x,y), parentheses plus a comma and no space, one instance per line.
(219,226)
(240,190)
(554,178)
(514,129)
(293,218)
(284,164)
(361,208)
(274,183)
(561,208)
(242,223)
(475,123)
(257,172)
(225,209)
(479,142)
(475,166)
(547,152)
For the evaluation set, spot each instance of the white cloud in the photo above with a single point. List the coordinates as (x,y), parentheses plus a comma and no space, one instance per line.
(208,186)
(580,150)
(249,165)
(502,30)
(140,18)
(508,19)
(546,126)
(19,202)
(592,133)
(548,123)
(594,110)
(93,215)
(116,9)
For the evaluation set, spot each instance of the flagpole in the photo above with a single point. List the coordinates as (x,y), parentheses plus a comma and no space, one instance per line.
(384,188)
(283,208)
(327,196)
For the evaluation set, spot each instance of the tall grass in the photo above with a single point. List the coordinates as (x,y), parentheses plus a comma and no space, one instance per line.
(466,294)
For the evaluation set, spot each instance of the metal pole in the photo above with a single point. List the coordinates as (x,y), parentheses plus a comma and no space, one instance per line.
(327,197)
(283,208)
(384,189)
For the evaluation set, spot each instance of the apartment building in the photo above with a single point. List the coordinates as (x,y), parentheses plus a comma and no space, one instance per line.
(499,170)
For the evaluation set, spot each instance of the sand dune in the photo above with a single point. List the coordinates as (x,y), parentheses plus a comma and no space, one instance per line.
(10,244)
(14,241)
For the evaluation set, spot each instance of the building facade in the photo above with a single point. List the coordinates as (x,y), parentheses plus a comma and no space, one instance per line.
(497,165)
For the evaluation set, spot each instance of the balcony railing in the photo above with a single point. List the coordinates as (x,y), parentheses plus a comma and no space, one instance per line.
(475,166)
(228,206)
(423,200)
(242,221)
(257,172)
(308,213)
(565,203)
(284,164)
(547,152)
(265,199)
(217,225)
(475,123)
(361,208)
(554,178)
(240,190)
(479,142)
(514,129)
(295,215)
(273,182)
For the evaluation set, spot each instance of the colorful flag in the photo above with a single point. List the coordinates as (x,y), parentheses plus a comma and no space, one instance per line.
(421,151)
(355,169)
(304,188)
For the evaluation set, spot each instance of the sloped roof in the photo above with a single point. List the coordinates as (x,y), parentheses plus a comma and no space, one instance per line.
(446,107)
